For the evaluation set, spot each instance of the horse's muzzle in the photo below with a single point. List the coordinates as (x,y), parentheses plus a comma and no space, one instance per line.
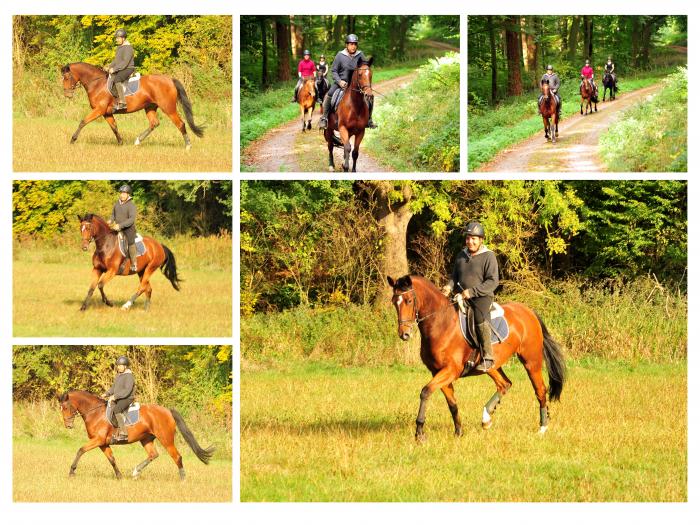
(85,248)
(68,93)
(405,336)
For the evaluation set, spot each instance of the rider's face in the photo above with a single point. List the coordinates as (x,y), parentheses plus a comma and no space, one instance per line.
(120,40)
(351,46)
(121,368)
(473,243)
(306,57)
(123,196)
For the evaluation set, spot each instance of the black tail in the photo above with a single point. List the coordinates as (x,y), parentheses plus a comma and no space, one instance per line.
(204,455)
(187,108)
(169,268)
(554,359)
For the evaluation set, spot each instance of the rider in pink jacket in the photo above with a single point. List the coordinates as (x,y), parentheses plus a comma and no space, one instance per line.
(587,72)
(306,68)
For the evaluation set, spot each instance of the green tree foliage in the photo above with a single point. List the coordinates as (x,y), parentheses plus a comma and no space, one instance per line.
(48,208)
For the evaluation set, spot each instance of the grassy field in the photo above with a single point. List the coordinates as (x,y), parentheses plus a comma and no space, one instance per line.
(312,432)
(43,448)
(49,285)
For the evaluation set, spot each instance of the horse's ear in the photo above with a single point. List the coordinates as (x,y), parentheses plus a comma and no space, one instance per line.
(370,61)
(391,282)
(80,218)
(409,282)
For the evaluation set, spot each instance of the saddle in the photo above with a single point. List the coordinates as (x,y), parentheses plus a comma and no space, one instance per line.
(467,324)
(337,97)
(124,247)
(131,415)
(131,86)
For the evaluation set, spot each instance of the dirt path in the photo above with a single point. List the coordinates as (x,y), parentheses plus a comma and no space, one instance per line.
(577,146)
(286,148)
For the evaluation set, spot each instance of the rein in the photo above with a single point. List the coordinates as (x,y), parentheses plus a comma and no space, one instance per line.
(75,412)
(80,82)
(417,318)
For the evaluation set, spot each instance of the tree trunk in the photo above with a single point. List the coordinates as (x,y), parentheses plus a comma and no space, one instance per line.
(533,45)
(403,32)
(263,40)
(513,55)
(523,43)
(337,30)
(586,36)
(564,33)
(297,38)
(494,63)
(573,38)
(283,56)
(590,39)
(635,39)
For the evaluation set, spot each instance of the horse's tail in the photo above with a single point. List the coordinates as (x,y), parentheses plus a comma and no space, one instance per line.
(554,358)
(204,454)
(187,108)
(169,268)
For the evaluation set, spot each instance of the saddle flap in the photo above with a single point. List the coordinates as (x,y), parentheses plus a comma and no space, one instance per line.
(124,248)
(499,325)
(337,97)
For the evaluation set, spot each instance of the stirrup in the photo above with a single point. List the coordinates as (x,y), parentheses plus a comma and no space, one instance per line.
(482,365)
(371,124)
(323,122)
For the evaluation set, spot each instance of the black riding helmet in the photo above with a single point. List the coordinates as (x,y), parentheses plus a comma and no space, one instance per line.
(125,188)
(352,39)
(550,67)
(307,52)
(123,360)
(474,228)
(120,33)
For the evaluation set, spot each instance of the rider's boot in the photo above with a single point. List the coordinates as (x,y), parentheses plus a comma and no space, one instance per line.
(296,94)
(134,257)
(323,122)
(484,332)
(121,99)
(370,123)
(120,434)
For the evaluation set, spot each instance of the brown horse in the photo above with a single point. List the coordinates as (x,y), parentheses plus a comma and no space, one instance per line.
(155,91)
(351,118)
(587,96)
(548,110)
(445,352)
(107,261)
(155,422)
(307,101)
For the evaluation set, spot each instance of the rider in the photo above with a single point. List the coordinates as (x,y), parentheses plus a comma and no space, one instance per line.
(306,68)
(610,68)
(345,62)
(475,276)
(121,395)
(322,68)
(587,72)
(121,68)
(124,220)
(554,83)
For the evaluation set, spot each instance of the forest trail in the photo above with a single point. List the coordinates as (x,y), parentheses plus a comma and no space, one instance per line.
(576,149)
(285,148)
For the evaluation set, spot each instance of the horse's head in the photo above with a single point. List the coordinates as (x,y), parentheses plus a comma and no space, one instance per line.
(404,300)
(70,82)
(544,88)
(68,411)
(92,227)
(310,85)
(364,77)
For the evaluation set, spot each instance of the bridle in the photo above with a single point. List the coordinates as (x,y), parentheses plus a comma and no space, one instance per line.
(74,412)
(417,318)
(88,224)
(363,90)
(77,83)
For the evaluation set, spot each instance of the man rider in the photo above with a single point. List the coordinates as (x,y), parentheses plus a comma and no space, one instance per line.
(124,220)
(121,68)
(610,68)
(306,68)
(120,396)
(475,277)
(344,64)
(554,83)
(587,72)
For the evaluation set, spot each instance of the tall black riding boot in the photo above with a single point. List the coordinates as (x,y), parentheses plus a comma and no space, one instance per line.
(370,123)
(484,332)
(120,434)
(121,98)
(323,122)
(134,257)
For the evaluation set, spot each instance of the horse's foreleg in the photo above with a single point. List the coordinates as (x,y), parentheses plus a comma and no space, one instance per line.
(96,274)
(113,124)
(545,122)
(303,118)
(443,378)
(502,386)
(356,149)
(93,443)
(449,392)
(95,113)
(152,454)
(106,277)
(331,161)
(110,457)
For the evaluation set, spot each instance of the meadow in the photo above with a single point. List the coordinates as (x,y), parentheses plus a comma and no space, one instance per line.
(315,432)
(50,283)
(43,448)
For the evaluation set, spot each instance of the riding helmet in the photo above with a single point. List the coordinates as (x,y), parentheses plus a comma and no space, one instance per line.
(123,360)
(351,38)
(121,33)
(125,188)
(307,52)
(588,62)
(322,56)
(550,67)
(474,229)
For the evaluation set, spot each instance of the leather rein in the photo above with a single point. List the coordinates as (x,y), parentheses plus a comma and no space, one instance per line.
(74,412)
(417,319)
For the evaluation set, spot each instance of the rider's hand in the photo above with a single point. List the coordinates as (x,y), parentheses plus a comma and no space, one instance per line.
(111,398)
(466,294)
(446,290)
(111,71)
(343,84)
(115,227)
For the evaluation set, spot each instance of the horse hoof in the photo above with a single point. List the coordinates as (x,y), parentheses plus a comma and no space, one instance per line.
(458,433)
(486,424)
(71,474)
(137,142)
(421,438)
(109,303)
(188,147)
(542,430)
(331,169)
(126,305)
(83,308)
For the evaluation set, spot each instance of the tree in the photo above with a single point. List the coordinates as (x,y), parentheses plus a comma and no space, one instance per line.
(573,38)
(283,54)
(513,56)
(494,61)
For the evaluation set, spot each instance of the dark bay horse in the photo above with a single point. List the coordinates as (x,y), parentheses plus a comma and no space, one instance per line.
(107,261)
(548,110)
(587,96)
(155,422)
(307,101)
(609,83)
(155,91)
(445,352)
(352,117)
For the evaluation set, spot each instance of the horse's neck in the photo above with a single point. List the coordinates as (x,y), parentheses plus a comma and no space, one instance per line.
(90,78)
(84,403)
(104,239)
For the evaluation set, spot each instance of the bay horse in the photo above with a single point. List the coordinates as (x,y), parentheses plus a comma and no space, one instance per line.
(609,83)
(155,422)
(107,261)
(352,117)
(155,91)
(548,110)
(321,87)
(307,101)
(587,94)
(445,352)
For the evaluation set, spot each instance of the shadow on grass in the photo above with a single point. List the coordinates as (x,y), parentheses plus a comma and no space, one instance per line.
(344,426)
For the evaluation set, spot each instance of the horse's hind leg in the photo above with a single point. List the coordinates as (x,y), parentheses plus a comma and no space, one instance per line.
(143,284)
(449,392)
(168,441)
(153,123)
(502,386)
(180,125)
(147,443)
(534,372)
(110,457)
(113,124)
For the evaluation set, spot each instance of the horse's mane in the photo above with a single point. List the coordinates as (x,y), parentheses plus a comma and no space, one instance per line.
(64,396)
(91,67)
(91,216)
(406,282)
